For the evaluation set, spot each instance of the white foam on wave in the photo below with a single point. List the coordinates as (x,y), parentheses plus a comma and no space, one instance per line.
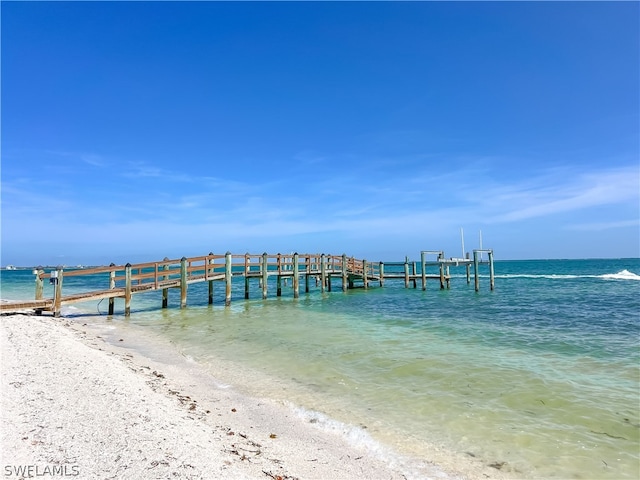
(622,275)
(360,438)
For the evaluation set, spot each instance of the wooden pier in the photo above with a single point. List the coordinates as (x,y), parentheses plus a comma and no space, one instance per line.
(125,281)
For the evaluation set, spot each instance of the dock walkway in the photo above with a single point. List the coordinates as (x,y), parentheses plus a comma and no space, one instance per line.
(124,281)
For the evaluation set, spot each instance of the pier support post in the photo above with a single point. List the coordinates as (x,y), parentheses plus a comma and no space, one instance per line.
(227,279)
(127,289)
(476,279)
(39,286)
(265,274)
(183,282)
(323,272)
(39,283)
(112,285)
(279,277)
(57,301)
(491,273)
(468,269)
(413,273)
(306,277)
(381,274)
(345,273)
(209,263)
(423,270)
(165,291)
(406,272)
(441,259)
(296,279)
(448,278)
(247,269)
(365,280)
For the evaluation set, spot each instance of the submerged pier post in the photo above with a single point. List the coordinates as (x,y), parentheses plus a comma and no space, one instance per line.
(279,277)
(265,274)
(127,289)
(345,273)
(491,273)
(209,263)
(365,280)
(247,269)
(441,260)
(112,285)
(183,282)
(423,270)
(414,273)
(476,279)
(165,291)
(323,272)
(448,278)
(468,269)
(296,279)
(381,274)
(406,272)
(306,277)
(227,279)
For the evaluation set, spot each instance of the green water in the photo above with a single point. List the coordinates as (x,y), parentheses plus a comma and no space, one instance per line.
(540,377)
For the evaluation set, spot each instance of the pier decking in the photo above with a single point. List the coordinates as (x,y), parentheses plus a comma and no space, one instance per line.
(125,281)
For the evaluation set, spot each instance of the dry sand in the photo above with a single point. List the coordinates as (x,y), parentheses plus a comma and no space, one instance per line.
(74,405)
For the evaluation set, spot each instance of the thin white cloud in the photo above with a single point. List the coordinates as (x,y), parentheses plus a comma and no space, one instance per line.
(537,198)
(600,226)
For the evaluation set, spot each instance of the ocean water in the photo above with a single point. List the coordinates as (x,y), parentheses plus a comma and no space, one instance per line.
(539,378)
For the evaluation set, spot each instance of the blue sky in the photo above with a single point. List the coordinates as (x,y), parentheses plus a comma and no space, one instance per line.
(134,131)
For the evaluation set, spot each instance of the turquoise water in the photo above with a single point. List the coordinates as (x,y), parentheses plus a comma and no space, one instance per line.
(540,376)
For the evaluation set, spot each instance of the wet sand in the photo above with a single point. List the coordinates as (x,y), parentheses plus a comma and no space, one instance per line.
(77,405)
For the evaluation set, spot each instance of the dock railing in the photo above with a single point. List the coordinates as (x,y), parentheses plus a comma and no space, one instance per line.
(124,281)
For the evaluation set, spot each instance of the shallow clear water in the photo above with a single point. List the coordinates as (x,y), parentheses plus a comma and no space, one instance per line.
(542,374)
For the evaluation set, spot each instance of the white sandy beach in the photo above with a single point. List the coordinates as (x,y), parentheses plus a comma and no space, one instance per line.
(73,404)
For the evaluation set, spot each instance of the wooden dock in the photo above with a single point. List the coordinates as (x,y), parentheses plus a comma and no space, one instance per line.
(125,281)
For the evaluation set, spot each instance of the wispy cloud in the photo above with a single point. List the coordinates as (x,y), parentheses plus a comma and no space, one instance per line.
(601,226)
(552,194)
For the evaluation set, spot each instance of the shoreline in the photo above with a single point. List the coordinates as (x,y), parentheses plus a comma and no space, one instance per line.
(72,400)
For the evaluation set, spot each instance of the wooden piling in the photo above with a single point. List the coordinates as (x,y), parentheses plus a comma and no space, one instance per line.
(165,291)
(227,279)
(246,276)
(423,269)
(476,279)
(265,274)
(491,273)
(381,274)
(57,303)
(39,283)
(440,259)
(365,279)
(183,281)
(209,263)
(112,285)
(308,273)
(323,272)
(406,272)
(127,289)
(296,279)
(345,273)
(39,286)
(448,278)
